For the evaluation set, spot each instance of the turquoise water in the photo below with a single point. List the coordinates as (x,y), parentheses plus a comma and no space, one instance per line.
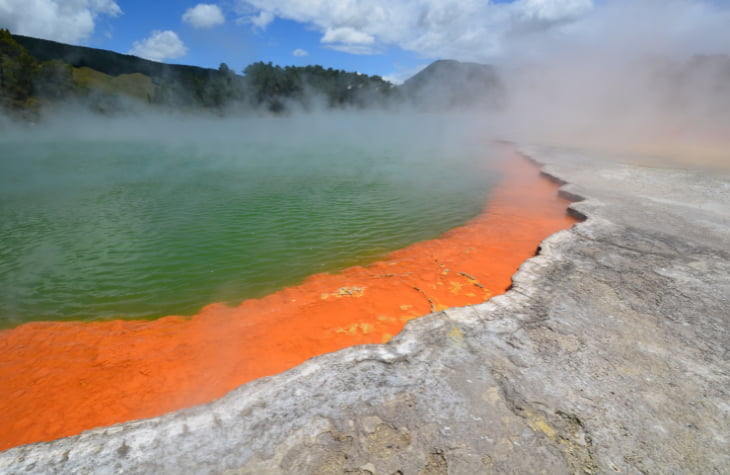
(143,219)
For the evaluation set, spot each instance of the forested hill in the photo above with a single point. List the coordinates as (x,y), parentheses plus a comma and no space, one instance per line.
(107,62)
(35,73)
(448,84)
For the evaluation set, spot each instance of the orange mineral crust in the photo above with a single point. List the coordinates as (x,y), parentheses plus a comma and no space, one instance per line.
(60,378)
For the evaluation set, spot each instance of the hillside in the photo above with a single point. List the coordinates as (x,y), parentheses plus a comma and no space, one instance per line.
(447,84)
(48,71)
(35,73)
(108,62)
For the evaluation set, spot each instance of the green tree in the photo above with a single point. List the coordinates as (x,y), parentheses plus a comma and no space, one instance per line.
(272,86)
(54,80)
(18,71)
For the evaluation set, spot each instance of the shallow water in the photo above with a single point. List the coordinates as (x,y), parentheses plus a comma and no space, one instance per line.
(141,219)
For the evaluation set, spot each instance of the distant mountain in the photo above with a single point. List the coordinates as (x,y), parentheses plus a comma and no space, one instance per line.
(447,84)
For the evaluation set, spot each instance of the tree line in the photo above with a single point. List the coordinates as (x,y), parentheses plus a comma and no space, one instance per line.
(35,73)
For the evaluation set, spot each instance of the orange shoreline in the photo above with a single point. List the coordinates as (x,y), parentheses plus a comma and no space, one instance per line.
(61,378)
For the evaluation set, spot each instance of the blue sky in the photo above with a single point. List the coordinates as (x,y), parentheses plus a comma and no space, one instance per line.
(239,44)
(392,38)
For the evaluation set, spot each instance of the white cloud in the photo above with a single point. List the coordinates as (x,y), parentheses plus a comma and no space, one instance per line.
(461,29)
(550,10)
(251,16)
(354,49)
(618,30)
(346,35)
(204,15)
(299,53)
(482,30)
(160,45)
(263,19)
(349,40)
(60,20)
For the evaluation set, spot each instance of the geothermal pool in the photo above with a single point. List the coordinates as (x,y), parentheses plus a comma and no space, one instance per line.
(392,192)
(129,220)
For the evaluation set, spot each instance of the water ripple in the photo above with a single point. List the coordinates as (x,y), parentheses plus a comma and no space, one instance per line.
(103,230)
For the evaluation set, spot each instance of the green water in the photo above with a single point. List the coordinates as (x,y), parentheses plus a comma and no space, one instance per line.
(140,219)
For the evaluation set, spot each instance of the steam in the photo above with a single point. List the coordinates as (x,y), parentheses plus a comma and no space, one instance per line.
(626,76)
(631,76)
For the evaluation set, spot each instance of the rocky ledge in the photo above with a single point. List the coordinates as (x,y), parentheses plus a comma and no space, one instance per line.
(610,354)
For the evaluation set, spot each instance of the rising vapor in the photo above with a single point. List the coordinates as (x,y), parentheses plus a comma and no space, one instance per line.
(639,77)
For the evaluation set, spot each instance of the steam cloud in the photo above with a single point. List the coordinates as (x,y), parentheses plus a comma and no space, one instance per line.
(648,76)
(645,76)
